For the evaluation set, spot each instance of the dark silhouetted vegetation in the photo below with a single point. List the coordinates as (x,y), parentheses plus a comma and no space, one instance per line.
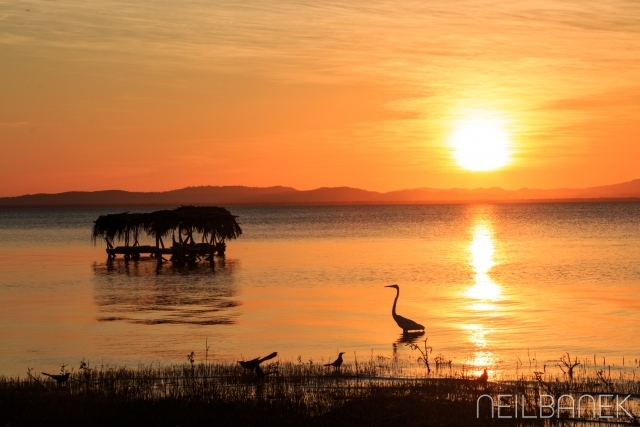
(379,391)
(214,223)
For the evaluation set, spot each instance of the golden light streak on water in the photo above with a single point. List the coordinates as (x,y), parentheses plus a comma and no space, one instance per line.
(477,334)
(483,357)
(482,251)
(485,292)
(483,306)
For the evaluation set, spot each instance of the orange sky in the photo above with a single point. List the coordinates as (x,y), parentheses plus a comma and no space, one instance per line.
(155,95)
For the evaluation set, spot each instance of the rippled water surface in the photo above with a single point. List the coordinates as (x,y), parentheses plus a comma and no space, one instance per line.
(495,285)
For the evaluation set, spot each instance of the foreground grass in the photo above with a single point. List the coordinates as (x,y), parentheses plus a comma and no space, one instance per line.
(294,394)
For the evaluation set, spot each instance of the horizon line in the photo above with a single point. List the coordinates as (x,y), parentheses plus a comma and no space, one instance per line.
(288,188)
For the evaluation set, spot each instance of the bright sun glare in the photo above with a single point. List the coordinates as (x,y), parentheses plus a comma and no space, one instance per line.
(480,143)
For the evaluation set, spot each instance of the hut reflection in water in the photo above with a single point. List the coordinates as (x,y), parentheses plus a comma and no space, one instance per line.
(136,292)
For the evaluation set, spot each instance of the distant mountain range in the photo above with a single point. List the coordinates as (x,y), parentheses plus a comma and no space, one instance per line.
(239,195)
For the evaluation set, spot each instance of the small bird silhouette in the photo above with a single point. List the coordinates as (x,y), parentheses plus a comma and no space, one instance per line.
(404,323)
(336,363)
(255,363)
(61,379)
(484,377)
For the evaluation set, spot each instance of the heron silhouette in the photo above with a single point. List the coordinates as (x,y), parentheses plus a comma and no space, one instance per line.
(336,363)
(404,323)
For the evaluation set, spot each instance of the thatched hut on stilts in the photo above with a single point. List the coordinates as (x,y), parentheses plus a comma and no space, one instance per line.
(215,225)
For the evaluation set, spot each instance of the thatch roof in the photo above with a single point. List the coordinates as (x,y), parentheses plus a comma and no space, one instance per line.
(207,220)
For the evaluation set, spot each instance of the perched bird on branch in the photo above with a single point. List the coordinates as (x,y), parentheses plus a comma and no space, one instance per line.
(336,363)
(404,323)
(61,379)
(255,363)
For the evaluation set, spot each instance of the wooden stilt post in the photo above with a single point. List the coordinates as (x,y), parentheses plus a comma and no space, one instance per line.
(158,253)
(181,248)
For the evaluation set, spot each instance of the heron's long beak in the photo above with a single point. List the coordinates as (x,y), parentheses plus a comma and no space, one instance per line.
(389,286)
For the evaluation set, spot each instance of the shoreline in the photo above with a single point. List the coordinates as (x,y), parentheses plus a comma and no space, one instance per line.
(303,394)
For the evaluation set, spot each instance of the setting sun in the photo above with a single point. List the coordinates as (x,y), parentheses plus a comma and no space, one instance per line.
(480,144)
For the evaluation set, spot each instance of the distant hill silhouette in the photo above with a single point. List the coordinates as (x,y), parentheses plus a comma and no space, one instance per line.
(240,195)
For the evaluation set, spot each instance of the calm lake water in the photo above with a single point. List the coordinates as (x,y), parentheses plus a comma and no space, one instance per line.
(495,285)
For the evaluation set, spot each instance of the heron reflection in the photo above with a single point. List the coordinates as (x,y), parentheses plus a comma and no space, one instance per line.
(409,337)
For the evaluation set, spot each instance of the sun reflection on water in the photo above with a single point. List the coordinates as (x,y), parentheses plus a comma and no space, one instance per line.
(477,334)
(482,357)
(482,251)
(484,294)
